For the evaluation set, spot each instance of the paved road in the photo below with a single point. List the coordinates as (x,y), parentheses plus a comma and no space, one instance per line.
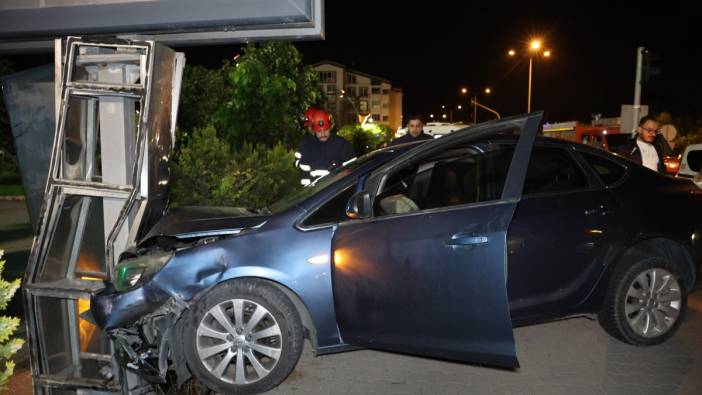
(567,357)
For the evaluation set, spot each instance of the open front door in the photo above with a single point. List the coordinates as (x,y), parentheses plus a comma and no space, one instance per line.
(426,274)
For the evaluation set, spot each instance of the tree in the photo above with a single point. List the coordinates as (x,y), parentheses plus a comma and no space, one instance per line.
(209,172)
(6,67)
(202,94)
(269,91)
(8,325)
(365,139)
(199,168)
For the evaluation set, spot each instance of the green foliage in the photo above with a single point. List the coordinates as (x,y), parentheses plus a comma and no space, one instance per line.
(8,326)
(273,175)
(269,90)
(11,190)
(365,139)
(202,94)
(208,172)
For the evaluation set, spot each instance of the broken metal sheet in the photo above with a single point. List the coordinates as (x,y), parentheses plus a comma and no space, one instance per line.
(115,121)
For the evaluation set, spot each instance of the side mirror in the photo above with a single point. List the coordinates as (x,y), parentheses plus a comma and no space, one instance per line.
(359,206)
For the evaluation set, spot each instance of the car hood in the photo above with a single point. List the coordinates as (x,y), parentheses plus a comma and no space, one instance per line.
(196,222)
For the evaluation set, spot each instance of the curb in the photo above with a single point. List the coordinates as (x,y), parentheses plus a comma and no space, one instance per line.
(12,198)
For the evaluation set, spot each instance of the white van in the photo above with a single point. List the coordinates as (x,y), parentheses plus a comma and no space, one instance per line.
(691,163)
(436,129)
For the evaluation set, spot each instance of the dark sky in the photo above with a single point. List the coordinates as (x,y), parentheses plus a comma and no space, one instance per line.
(432,49)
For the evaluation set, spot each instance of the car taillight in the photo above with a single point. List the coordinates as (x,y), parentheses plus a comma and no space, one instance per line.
(672,164)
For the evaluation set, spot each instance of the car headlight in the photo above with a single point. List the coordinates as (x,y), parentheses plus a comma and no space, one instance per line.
(134,271)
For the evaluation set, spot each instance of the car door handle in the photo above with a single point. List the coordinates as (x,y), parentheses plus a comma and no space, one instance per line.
(465,240)
(600,210)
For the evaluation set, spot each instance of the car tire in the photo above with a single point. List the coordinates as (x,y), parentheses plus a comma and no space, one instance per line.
(645,303)
(219,331)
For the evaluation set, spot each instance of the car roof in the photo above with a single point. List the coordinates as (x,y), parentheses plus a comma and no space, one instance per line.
(693,147)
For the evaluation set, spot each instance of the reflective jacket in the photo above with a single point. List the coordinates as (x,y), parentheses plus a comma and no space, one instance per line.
(315,158)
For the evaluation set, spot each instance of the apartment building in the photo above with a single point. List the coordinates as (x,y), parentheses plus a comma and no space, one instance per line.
(352,95)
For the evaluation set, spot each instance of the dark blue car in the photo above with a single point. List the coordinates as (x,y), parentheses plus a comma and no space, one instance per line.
(435,249)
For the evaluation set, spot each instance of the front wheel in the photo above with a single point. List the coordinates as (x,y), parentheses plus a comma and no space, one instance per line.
(242,337)
(645,303)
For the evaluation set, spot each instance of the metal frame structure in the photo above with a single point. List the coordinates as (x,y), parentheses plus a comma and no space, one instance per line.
(32,25)
(100,193)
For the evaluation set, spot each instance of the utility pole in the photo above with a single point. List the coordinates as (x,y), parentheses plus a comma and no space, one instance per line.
(475,110)
(636,113)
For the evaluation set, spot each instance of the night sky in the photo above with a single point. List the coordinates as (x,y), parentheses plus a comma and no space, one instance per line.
(432,50)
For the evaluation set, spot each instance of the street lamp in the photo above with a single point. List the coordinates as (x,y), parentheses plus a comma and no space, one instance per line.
(535,49)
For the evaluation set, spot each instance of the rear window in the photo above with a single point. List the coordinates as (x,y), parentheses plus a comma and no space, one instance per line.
(609,171)
(694,160)
(614,141)
(552,170)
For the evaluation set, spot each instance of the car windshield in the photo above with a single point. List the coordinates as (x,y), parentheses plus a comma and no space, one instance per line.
(319,184)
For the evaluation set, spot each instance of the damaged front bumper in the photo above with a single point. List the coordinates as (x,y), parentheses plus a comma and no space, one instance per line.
(142,323)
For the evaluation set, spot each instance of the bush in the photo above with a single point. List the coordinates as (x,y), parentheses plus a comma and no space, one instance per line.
(365,139)
(8,325)
(9,171)
(208,172)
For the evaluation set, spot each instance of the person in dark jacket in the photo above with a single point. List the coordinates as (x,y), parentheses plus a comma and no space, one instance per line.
(322,151)
(415,131)
(648,147)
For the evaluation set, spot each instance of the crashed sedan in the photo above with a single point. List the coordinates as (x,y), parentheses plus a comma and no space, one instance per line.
(437,249)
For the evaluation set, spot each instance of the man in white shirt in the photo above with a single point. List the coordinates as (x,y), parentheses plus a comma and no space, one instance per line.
(648,147)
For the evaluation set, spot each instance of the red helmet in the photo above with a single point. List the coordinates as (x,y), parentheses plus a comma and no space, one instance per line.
(308,116)
(319,120)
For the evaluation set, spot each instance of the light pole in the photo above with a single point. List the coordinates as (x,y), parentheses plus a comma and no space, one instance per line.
(535,48)
(474,102)
(342,95)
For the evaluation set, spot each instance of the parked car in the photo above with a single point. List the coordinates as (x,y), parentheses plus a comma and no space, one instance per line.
(436,249)
(691,163)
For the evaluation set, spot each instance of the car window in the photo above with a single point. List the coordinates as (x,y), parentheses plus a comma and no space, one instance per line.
(321,183)
(608,171)
(614,141)
(333,211)
(552,170)
(694,160)
(468,174)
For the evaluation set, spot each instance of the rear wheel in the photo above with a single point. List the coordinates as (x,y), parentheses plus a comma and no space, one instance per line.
(243,336)
(645,303)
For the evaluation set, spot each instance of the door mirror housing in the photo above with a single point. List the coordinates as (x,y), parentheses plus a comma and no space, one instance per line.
(359,206)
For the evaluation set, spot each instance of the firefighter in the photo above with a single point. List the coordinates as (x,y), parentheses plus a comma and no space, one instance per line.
(320,152)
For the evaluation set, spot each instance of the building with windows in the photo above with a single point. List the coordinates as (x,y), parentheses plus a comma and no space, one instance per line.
(352,95)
